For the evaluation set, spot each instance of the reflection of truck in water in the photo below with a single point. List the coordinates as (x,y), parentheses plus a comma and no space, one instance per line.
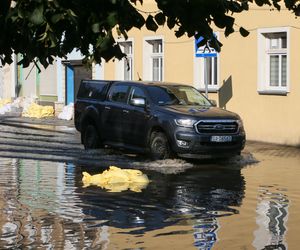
(161,119)
(195,198)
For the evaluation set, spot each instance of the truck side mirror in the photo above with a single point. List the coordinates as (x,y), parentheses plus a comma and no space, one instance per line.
(139,102)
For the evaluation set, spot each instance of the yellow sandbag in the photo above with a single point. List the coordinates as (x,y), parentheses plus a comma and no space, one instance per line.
(117,180)
(4,102)
(38,111)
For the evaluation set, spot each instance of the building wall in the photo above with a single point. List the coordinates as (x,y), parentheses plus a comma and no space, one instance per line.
(48,83)
(267,117)
(270,118)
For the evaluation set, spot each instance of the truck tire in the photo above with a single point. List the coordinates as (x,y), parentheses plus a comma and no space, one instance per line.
(159,146)
(91,139)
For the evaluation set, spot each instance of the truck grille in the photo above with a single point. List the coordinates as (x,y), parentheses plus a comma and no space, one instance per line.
(217,127)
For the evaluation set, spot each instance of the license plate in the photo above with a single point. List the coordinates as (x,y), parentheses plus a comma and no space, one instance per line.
(221,138)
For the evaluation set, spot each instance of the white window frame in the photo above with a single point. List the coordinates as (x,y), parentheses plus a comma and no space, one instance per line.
(121,65)
(149,56)
(264,54)
(199,72)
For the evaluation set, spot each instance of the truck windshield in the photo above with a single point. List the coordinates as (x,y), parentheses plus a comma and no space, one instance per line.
(177,95)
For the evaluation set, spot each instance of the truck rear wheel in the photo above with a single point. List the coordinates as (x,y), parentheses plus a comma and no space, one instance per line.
(91,139)
(159,146)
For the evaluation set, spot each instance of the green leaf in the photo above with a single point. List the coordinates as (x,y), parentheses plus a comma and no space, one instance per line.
(289,3)
(56,18)
(53,40)
(21,13)
(150,24)
(37,16)
(139,20)
(215,43)
(297,10)
(171,22)
(160,18)
(71,13)
(112,19)
(180,32)
(220,21)
(244,32)
(43,36)
(262,2)
(245,5)
(124,33)
(228,30)
(234,7)
(96,27)
(118,52)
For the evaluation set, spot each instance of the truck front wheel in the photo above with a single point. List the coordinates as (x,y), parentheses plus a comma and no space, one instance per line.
(90,136)
(159,146)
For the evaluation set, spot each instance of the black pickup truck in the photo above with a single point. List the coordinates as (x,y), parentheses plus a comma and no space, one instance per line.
(162,119)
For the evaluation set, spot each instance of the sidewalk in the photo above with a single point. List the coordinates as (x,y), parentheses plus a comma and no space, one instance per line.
(15,117)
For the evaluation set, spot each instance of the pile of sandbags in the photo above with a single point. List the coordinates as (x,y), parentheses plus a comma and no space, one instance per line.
(4,102)
(28,107)
(34,110)
(5,106)
(116,179)
(67,112)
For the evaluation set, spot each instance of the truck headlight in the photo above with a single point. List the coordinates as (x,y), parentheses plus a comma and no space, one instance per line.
(240,123)
(188,123)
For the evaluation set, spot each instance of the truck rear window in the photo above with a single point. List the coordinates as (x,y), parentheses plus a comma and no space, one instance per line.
(92,90)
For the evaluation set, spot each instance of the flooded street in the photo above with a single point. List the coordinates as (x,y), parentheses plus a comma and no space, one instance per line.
(250,202)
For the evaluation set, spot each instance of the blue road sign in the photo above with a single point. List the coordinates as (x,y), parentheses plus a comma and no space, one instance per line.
(204,51)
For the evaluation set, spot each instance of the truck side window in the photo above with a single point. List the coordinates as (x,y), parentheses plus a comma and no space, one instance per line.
(92,90)
(118,93)
(137,93)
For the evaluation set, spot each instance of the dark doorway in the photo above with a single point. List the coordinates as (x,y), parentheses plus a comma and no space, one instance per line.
(75,72)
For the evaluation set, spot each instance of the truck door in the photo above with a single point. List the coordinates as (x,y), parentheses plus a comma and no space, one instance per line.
(113,113)
(135,120)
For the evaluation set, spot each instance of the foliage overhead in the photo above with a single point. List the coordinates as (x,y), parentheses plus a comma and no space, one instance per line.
(44,29)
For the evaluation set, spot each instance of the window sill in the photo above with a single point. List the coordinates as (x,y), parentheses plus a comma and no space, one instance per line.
(273,92)
(210,90)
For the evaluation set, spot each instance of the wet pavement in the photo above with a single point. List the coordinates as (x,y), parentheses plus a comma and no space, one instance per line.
(248,202)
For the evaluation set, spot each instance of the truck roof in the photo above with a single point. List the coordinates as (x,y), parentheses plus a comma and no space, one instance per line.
(154,83)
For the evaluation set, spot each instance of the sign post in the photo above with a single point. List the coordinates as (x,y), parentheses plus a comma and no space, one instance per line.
(204,51)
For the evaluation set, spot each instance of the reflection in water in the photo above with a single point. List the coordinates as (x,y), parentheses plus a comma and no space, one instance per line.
(44,205)
(206,233)
(272,216)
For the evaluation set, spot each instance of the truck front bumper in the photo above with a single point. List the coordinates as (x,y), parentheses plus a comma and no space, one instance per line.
(194,145)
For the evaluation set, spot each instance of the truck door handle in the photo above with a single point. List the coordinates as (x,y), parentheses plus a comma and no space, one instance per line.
(125,111)
(106,107)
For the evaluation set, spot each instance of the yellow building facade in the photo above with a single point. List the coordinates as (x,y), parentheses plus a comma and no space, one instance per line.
(256,76)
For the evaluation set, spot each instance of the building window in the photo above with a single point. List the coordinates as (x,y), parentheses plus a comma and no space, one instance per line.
(206,73)
(124,68)
(157,60)
(273,61)
(277,55)
(153,59)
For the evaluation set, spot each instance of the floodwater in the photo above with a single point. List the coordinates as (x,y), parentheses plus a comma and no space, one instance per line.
(251,202)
